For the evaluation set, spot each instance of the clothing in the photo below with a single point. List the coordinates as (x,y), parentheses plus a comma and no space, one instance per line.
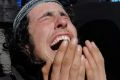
(14,75)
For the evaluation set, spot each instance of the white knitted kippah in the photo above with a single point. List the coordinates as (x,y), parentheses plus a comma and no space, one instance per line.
(25,10)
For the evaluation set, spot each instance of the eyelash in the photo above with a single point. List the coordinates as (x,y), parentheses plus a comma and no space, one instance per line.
(48,15)
(63,14)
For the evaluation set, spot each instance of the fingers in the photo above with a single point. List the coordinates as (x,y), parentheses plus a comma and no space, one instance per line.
(81,73)
(68,64)
(68,59)
(76,64)
(94,62)
(45,71)
(100,62)
(58,61)
(95,52)
(90,65)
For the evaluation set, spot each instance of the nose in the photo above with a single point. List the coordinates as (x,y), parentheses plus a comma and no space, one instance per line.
(61,22)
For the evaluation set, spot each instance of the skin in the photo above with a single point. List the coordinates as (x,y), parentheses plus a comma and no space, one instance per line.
(94,63)
(47,21)
(70,61)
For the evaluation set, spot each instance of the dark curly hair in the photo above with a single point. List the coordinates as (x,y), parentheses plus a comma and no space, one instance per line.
(22,57)
(19,39)
(20,46)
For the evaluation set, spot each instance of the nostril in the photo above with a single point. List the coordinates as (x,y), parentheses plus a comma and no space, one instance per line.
(59,26)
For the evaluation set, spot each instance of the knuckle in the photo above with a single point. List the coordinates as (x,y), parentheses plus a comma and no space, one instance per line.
(44,71)
(72,46)
(101,61)
(61,50)
(66,62)
(57,63)
(75,67)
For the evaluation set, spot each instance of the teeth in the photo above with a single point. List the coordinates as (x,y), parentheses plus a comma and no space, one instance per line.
(65,37)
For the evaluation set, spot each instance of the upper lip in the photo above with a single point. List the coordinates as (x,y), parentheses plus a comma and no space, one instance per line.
(60,34)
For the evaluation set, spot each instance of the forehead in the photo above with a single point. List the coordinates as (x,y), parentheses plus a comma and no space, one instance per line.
(44,7)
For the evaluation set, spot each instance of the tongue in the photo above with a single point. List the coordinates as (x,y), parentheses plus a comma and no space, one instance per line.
(57,45)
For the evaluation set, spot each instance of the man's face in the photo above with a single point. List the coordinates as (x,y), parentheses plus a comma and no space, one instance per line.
(49,25)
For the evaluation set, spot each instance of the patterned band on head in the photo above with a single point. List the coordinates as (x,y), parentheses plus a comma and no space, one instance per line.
(25,10)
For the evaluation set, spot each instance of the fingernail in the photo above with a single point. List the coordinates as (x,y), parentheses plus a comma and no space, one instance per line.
(65,42)
(74,40)
(79,48)
(87,42)
(93,43)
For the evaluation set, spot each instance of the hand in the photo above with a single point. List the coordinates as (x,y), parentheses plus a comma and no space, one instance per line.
(94,62)
(68,63)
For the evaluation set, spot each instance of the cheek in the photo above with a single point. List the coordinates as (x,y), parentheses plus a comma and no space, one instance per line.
(41,31)
(73,29)
(40,34)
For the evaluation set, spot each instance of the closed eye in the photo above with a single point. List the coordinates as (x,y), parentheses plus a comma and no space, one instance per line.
(48,14)
(45,16)
(63,14)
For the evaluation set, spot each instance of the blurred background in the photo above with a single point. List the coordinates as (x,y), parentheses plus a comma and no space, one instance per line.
(96,20)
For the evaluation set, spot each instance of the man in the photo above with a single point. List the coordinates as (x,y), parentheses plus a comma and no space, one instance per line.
(44,32)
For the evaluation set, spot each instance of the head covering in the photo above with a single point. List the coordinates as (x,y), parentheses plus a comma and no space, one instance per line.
(26,9)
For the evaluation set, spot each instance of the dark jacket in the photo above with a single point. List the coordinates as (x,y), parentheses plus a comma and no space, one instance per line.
(14,75)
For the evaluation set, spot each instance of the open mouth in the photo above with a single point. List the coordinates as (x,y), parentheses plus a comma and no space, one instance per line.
(57,42)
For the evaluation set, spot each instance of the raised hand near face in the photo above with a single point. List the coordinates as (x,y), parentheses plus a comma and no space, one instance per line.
(94,62)
(68,63)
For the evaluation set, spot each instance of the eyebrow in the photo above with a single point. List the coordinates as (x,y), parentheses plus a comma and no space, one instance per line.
(50,13)
(47,14)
